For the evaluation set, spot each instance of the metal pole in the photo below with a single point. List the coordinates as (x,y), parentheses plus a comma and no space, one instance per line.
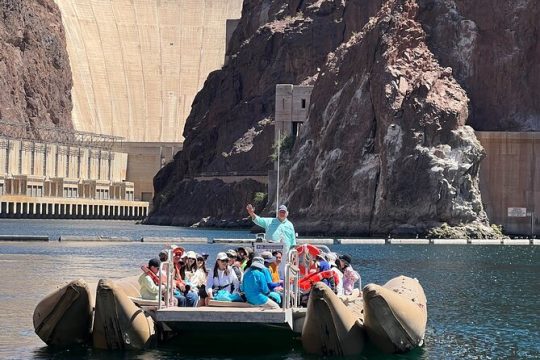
(278,155)
(532,224)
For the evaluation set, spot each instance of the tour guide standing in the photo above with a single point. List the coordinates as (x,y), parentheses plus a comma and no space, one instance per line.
(278,229)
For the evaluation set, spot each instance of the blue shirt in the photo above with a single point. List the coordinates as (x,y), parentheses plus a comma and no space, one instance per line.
(255,287)
(277,231)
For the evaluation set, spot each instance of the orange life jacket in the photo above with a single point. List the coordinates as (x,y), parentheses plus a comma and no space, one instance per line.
(307,282)
(153,276)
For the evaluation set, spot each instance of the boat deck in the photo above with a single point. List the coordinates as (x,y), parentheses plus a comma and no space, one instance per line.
(224,314)
(210,316)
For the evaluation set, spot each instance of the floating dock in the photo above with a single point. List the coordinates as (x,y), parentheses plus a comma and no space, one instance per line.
(175,240)
(23,238)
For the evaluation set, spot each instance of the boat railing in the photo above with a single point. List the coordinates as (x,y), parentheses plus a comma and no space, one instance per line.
(166,267)
(291,289)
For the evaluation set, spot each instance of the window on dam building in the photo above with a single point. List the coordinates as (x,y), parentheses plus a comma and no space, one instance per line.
(34,190)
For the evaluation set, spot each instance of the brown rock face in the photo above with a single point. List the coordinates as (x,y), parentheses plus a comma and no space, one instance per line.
(35,75)
(386,147)
(493,49)
(229,128)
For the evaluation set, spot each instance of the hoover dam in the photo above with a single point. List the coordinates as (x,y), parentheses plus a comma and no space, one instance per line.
(138,64)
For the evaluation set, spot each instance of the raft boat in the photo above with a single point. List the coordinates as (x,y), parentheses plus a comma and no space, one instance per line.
(395,314)
(64,317)
(102,314)
(392,316)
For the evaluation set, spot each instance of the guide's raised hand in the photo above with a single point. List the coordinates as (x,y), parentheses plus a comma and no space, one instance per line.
(251,210)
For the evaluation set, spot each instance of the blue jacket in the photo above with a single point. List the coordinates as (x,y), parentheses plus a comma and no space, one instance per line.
(255,286)
(268,276)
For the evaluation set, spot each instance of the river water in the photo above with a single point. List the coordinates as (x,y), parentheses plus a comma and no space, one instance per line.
(483,301)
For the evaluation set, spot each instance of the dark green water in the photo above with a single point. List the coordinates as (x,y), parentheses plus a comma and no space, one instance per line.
(483,301)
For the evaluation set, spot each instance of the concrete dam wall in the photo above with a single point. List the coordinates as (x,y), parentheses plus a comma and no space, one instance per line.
(138,64)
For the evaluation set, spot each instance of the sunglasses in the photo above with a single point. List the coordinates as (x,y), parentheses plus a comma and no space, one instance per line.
(226,260)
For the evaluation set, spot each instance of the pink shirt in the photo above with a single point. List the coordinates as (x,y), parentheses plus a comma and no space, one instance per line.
(350,277)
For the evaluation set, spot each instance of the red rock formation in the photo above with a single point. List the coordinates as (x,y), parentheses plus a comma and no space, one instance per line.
(35,76)
(385,148)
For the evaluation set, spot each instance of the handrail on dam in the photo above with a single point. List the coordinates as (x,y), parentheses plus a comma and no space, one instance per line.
(56,135)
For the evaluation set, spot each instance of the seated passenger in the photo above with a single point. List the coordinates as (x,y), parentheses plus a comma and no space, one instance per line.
(163,255)
(222,277)
(245,254)
(332,257)
(350,277)
(322,267)
(255,286)
(280,269)
(235,264)
(149,281)
(271,262)
(199,279)
(190,266)
(183,294)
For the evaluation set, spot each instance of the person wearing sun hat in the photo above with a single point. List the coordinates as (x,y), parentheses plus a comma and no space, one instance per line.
(255,286)
(270,262)
(222,277)
(234,263)
(278,229)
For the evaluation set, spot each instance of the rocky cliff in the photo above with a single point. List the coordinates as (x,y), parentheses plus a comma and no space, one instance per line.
(493,49)
(35,75)
(386,147)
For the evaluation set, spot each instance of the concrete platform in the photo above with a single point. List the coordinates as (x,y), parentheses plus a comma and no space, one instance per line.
(361,241)
(449,241)
(66,238)
(175,240)
(315,241)
(408,241)
(485,241)
(516,242)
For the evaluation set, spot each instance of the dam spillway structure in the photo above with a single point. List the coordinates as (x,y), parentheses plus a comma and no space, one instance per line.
(138,64)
